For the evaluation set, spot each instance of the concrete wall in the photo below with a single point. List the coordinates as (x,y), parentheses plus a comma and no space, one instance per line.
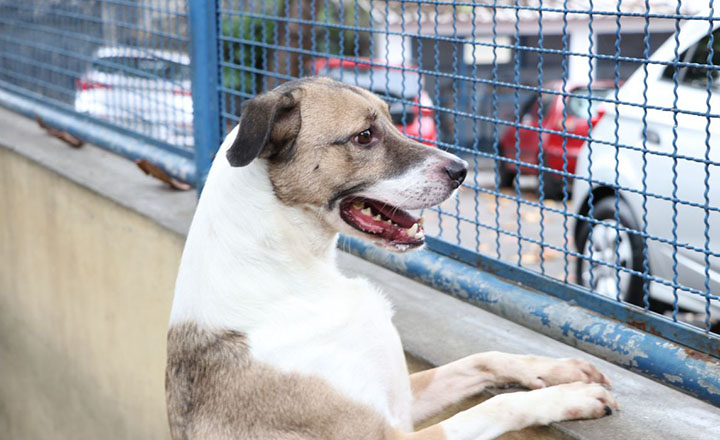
(85,293)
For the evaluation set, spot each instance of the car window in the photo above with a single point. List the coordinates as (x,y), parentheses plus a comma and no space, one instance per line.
(579,106)
(143,68)
(177,71)
(547,102)
(530,106)
(697,76)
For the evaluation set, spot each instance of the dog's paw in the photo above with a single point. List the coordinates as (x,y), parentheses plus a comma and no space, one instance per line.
(541,372)
(571,401)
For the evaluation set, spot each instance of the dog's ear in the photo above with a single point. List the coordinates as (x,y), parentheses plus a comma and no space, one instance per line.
(269,124)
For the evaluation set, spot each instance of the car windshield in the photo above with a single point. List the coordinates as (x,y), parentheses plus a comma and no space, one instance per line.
(530,106)
(581,106)
(380,80)
(149,68)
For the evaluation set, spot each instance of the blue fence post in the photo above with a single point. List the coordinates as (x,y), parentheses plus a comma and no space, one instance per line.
(205,83)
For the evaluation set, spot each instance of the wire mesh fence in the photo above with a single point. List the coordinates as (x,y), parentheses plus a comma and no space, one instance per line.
(591,126)
(122,62)
(594,160)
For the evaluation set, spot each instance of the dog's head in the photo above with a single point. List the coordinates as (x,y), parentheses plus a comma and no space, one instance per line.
(332,148)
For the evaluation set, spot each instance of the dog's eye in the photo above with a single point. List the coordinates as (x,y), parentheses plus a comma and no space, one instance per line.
(364,137)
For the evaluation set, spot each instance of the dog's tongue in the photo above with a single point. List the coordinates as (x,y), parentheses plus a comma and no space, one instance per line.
(378,218)
(397,216)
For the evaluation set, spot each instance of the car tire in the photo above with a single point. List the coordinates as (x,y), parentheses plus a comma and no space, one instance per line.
(506,176)
(605,238)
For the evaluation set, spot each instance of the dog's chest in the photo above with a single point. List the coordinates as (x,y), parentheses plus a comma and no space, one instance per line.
(348,340)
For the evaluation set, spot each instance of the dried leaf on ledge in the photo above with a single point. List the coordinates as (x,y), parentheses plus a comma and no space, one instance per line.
(160,174)
(62,135)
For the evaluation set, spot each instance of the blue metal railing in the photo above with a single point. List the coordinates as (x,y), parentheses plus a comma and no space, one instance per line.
(592,131)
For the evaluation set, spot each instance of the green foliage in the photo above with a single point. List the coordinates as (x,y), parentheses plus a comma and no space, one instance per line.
(239,54)
(328,39)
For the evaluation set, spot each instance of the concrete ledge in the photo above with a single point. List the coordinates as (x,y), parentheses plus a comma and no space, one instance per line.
(434,327)
(115,177)
(450,329)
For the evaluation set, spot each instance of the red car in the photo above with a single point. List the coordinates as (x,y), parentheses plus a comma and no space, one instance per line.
(527,140)
(394,84)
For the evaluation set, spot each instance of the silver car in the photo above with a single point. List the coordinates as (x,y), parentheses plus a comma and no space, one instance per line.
(668,178)
(146,91)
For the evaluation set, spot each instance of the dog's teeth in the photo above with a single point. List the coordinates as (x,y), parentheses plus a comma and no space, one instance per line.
(389,222)
(358,205)
(421,221)
(366,211)
(377,218)
(412,230)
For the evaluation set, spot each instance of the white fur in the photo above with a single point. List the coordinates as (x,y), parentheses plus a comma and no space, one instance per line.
(507,412)
(515,411)
(255,265)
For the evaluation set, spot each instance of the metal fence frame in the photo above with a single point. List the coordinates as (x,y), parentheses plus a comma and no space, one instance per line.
(680,355)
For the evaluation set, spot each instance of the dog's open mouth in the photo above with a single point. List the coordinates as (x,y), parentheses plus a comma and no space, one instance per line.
(395,226)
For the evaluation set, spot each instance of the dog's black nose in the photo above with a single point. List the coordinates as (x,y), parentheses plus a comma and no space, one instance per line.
(456,171)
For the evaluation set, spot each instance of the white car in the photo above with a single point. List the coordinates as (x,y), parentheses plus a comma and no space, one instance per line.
(145,91)
(675,160)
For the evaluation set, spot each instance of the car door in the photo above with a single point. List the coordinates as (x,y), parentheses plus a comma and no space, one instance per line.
(528,140)
(682,177)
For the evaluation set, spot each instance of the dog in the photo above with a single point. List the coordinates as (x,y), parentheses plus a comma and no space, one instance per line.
(268,340)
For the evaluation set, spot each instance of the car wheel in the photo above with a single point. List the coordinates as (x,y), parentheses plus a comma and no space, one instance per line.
(611,246)
(553,186)
(506,175)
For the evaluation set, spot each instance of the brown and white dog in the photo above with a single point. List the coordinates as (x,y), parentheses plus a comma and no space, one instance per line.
(268,340)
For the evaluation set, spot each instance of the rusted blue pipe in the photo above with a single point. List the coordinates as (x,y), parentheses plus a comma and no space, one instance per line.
(175,162)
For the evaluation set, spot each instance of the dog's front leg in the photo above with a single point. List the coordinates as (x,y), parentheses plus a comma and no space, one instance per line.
(514,411)
(437,388)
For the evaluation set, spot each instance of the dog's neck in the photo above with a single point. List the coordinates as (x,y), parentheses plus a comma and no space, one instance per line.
(246,249)
(242,202)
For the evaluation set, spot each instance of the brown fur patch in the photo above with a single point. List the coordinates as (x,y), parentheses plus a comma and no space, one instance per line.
(216,391)
(420,381)
(432,433)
